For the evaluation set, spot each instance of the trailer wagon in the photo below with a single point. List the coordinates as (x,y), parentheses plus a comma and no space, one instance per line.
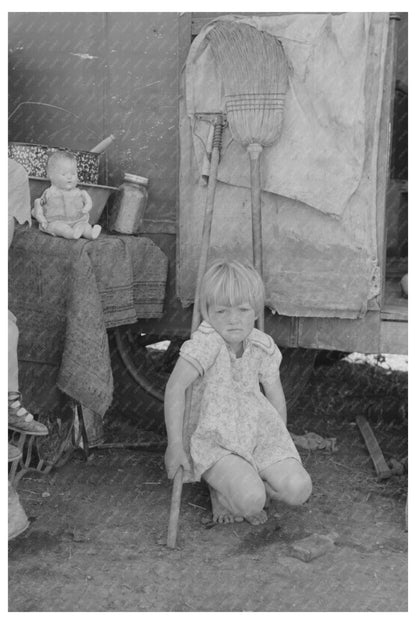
(334,193)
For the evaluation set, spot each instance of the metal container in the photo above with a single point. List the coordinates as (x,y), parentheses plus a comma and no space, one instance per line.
(130,205)
(34,158)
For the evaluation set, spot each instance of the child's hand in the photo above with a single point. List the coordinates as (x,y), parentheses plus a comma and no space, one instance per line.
(175,456)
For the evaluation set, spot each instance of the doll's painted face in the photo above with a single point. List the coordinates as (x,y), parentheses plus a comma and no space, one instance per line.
(63,174)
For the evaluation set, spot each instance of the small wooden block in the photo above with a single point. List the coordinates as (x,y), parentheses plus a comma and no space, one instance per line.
(382,469)
(313,546)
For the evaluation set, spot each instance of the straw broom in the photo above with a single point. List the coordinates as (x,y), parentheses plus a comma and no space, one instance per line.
(254,71)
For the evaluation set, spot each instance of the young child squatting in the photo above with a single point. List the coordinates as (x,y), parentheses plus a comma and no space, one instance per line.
(239,443)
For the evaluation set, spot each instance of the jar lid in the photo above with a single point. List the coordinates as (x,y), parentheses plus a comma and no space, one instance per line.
(135,179)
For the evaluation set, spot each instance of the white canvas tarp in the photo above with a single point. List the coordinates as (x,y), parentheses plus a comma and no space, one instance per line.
(318,180)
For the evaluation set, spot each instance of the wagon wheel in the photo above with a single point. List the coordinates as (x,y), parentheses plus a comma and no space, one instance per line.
(147,359)
(150,363)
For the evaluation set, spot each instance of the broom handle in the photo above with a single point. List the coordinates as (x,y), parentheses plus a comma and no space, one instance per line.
(203,258)
(254,150)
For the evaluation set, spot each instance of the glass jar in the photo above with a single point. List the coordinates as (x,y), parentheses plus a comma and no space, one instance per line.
(130,205)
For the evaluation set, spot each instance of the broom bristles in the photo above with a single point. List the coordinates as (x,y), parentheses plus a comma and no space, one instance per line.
(254,71)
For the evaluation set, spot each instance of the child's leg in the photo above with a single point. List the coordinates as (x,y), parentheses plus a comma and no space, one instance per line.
(19,418)
(287,481)
(89,231)
(237,491)
(59,228)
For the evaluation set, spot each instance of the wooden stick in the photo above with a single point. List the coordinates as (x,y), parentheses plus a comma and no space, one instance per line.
(175,507)
(254,150)
(203,258)
(382,469)
(209,210)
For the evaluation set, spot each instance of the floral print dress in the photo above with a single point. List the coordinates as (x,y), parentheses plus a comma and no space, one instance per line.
(229,413)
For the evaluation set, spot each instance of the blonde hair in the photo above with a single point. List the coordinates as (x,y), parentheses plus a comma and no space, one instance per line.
(231,283)
(59,156)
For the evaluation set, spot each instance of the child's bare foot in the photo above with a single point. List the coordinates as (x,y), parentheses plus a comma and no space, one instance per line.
(259,518)
(220,513)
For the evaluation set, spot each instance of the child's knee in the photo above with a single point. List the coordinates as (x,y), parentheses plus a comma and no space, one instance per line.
(298,488)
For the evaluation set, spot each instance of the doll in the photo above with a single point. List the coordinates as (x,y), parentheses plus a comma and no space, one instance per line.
(63,208)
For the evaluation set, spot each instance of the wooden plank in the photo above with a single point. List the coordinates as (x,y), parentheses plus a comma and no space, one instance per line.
(394,312)
(362,335)
(395,306)
(184,40)
(382,469)
(199,20)
(384,147)
(184,43)
(394,337)
(396,267)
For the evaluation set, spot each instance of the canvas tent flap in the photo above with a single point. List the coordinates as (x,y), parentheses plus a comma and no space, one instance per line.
(319,157)
(318,180)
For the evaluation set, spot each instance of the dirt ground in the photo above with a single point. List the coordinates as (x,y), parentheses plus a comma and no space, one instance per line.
(97,537)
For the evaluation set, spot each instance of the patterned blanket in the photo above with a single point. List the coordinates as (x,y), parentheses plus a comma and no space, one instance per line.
(65,294)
